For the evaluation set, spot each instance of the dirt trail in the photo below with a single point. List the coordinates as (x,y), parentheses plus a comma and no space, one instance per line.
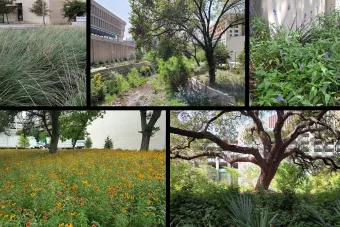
(139,96)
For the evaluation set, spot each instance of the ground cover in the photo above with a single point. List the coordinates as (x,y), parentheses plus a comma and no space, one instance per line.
(299,67)
(197,200)
(82,188)
(43,66)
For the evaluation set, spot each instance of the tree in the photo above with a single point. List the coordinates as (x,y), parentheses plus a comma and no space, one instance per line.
(73,124)
(51,122)
(6,7)
(108,143)
(6,118)
(188,18)
(221,53)
(268,150)
(148,128)
(40,9)
(23,141)
(74,8)
(88,142)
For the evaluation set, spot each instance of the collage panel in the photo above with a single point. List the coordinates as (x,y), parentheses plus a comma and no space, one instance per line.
(245,167)
(42,53)
(82,168)
(168,53)
(294,53)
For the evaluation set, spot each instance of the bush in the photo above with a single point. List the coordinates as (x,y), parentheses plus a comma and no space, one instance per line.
(108,143)
(296,67)
(23,141)
(135,79)
(145,71)
(97,89)
(176,72)
(120,84)
(73,8)
(88,142)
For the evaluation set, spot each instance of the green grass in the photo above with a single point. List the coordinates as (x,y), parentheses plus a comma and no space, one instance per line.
(230,82)
(43,66)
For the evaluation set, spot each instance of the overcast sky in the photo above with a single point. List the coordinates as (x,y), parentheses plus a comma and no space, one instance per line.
(123,127)
(120,8)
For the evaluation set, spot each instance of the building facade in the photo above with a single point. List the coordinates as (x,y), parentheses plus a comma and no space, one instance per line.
(107,33)
(233,38)
(22,14)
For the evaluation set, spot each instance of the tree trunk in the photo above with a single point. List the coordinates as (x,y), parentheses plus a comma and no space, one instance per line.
(197,61)
(55,114)
(147,128)
(7,18)
(209,54)
(266,177)
(145,141)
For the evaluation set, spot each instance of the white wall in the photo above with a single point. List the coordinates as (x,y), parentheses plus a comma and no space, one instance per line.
(123,127)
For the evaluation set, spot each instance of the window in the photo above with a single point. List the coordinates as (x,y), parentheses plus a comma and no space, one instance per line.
(235,34)
(236,31)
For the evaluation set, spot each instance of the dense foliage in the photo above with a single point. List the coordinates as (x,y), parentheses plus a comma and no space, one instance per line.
(43,66)
(297,67)
(74,8)
(196,200)
(82,188)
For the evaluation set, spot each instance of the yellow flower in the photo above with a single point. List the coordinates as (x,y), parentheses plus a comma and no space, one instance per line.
(155,198)
(123,210)
(58,204)
(3,207)
(148,202)
(33,194)
(69,225)
(61,224)
(13,204)
(11,217)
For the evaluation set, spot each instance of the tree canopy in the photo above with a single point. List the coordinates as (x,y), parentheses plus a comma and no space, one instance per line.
(196,134)
(195,20)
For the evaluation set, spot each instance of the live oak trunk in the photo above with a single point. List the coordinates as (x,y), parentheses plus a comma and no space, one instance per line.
(55,131)
(266,176)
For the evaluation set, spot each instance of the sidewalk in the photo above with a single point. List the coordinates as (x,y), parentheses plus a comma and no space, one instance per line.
(18,26)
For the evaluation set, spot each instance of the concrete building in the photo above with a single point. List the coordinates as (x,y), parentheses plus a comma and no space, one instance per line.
(289,12)
(22,13)
(107,33)
(233,38)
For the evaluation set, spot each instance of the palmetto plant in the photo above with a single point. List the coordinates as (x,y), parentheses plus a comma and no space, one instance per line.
(318,219)
(43,66)
(241,212)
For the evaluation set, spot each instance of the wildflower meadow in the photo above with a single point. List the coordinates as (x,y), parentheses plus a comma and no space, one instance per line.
(84,187)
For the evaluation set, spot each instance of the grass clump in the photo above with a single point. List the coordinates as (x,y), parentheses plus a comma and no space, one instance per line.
(43,66)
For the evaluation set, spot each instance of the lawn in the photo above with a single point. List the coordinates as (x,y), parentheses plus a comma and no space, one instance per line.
(82,188)
(43,66)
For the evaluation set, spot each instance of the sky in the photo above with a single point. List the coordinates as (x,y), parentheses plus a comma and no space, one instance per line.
(123,127)
(120,8)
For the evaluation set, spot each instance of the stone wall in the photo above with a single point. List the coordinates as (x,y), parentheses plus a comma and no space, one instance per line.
(124,69)
(219,97)
(103,50)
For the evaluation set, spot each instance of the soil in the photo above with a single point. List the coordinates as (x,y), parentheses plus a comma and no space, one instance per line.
(139,96)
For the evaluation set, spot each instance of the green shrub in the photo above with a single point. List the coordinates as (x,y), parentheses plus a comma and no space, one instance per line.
(23,141)
(292,68)
(108,144)
(88,142)
(97,89)
(118,85)
(135,79)
(176,72)
(145,71)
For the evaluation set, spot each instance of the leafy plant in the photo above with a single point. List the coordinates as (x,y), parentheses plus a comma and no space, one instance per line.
(23,141)
(108,144)
(88,142)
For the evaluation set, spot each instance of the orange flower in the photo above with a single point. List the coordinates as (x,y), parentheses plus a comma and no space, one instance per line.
(28,223)
(123,210)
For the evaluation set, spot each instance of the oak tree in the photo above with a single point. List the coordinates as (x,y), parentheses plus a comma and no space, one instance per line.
(269,147)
